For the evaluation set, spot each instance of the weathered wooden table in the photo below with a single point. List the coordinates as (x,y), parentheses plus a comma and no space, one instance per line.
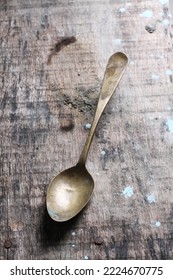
(52,59)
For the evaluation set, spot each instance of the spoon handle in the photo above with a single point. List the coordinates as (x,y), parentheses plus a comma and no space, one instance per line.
(113,73)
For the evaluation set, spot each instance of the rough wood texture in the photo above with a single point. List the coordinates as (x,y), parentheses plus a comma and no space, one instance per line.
(45,105)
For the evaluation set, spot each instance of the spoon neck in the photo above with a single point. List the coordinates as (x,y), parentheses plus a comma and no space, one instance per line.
(114,71)
(100,107)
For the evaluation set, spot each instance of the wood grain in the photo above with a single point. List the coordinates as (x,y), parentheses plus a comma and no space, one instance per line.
(44,110)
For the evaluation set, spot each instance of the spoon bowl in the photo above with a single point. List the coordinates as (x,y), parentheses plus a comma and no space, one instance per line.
(70,191)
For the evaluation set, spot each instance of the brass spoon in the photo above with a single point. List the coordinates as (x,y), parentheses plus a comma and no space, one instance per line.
(70,190)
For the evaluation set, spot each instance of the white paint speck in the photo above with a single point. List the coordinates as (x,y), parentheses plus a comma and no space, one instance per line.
(103,153)
(155,77)
(128,191)
(166,22)
(87,126)
(157,224)
(169,72)
(170,125)
(163,1)
(122,10)
(73,245)
(147,14)
(86,258)
(116,42)
(73,233)
(151,198)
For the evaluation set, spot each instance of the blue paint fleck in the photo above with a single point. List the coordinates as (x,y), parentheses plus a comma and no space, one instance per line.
(163,1)
(166,22)
(128,192)
(157,224)
(169,72)
(103,153)
(87,126)
(117,42)
(147,14)
(170,125)
(122,10)
(155,77)
(151,198)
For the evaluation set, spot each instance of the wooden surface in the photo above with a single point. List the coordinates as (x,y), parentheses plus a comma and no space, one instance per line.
(52,60)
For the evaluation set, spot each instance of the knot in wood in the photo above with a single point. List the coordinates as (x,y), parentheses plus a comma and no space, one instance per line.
(98,240)
(7,244)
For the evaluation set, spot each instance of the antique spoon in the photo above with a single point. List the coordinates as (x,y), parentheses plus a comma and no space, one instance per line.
(70,190)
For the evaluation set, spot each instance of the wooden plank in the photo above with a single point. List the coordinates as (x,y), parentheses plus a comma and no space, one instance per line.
(44,110)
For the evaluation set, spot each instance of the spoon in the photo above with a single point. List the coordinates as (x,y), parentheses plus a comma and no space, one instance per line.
(71,190)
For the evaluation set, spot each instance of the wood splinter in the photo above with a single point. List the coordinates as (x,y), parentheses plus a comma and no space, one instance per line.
(61,43)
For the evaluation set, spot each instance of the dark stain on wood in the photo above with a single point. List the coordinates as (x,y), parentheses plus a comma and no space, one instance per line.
(121,248)
(13,117)
(107,154)
(61,43)
(38,35)
(151,246)
(4,5)
(4,100)
(24,51)
(16,185)
(164,247)
(13,98)
(45,23)
(66,124)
